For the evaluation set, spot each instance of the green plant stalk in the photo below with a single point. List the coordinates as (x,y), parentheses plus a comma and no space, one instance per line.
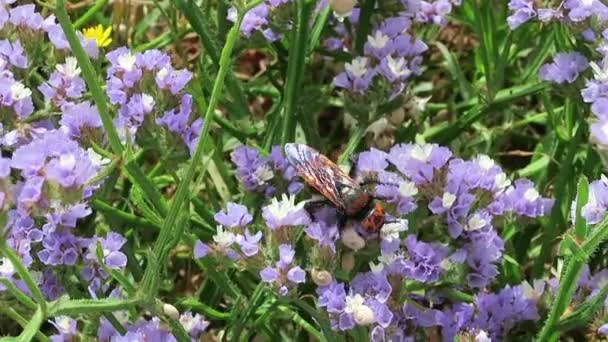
(161,41)
(295,69)
(88,15)
(193,303)
(32,327)
(15,316)
(568,281)
(194,17)
(182,192)
(24,275)
(365,24)
(296,318)
(76,307)
(352,144)
(122,216)
(18,294)
(89,75)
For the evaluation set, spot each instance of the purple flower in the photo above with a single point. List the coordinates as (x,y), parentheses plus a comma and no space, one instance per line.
(110,246)
(597,203)
(235,215)
(26,16)
(77,119)
(284,270)
(194,325)
(424,260)
(249,243)
(522,11)
(67,328)
(357,76)
(13,53)
(285,213)
(524,200)
(580,10)
(200,249)
(64,84)
(565,68)
(499,313)
(419,162)
(252,168)
(483,252)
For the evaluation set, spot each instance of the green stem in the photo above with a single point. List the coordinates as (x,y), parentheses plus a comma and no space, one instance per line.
(352,144)
(161,41)
(122,216)
(568,281)
(24,275)
(192,303)
(85,306)
(166,236)
(15,316)
(295,70)
(364,26)
(86,17)
(22,297)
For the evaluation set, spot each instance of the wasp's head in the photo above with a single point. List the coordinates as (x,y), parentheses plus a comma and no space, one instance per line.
(374,219)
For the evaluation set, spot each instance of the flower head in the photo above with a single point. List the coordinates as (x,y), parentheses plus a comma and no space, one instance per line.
(101,36)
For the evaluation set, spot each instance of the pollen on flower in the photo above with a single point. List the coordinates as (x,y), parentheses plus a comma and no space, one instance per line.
(101,36)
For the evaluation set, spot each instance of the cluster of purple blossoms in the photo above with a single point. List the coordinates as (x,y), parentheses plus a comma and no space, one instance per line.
(263,174)
(466,196)
(285,273)
(148,91)
(264,18)
(391,54)
(565,68)
(233,238)
(568,11)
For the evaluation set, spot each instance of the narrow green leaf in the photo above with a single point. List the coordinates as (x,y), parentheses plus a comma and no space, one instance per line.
(73,307)
(24,274)
(32,327)
(88,15)
(580,224)
(465,87)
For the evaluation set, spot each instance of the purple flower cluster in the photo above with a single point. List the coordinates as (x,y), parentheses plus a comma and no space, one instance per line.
(233,239)
(391,57)
(284,274)
(568,11)
(466,196)
(153,329)
(565,68)
(264,18)
(148,91)
(263,174)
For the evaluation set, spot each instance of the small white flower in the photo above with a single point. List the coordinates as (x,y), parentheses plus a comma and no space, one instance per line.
(70,69)
(533,291)
(6,267)
(501,181)
(263,174)
(97,159)
(162,73)
(447,200)
(63,324)
(476,222)
(383,261)
(19,91)
(67,161)
(390,231)
(485,162)
(223,238)
(358,67)
(148,102)
(280,209)
(362,313)
(378,40)
(126,61)
(531,195)
(482,337)
(422,152)
(408,189)
(352,239)
(604,179)
(587,2)
(398,66)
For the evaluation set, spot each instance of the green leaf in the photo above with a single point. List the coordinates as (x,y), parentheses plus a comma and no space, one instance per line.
(73,307)
(466,89)
(33,326)
(580,224)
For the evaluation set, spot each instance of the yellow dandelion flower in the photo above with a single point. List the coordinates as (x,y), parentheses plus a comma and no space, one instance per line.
(101,35)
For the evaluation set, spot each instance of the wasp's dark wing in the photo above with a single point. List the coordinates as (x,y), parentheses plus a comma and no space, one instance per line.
(320,173)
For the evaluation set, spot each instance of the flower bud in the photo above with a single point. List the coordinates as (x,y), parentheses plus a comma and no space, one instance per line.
(348,261)
(342,8)
(364,315)
(170,311)
(352,239)
(321,277)
(397,116)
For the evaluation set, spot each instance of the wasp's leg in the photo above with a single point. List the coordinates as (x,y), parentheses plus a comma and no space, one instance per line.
(312,205)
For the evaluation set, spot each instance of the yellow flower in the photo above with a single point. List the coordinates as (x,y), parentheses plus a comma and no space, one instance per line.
(101,36)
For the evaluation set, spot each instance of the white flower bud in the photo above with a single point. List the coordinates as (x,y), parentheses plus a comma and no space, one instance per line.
(321,277)
(342,8)
(364,315)
(170,311)
(352,239)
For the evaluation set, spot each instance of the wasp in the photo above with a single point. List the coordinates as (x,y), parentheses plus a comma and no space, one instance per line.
(350,198)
